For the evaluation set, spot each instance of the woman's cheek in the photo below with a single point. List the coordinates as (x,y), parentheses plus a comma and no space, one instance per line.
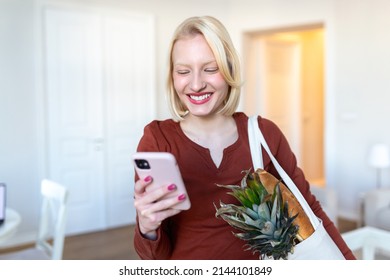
(179,84)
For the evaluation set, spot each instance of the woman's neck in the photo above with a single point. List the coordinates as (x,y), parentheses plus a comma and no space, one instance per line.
(215,133)
(206,126)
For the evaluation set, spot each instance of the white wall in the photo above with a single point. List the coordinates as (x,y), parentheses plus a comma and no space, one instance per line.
(361,87)
(357,82)
(19,134)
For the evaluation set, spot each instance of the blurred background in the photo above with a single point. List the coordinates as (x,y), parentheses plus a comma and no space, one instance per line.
(80,79)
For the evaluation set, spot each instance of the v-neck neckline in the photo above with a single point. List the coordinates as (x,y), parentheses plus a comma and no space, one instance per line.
(206,151)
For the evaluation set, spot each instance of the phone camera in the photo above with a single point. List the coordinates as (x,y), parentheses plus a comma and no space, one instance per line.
(142,164)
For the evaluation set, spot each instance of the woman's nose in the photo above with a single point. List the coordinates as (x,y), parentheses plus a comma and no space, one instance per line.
(197,84)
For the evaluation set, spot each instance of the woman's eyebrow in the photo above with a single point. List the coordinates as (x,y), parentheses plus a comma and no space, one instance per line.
(187,64)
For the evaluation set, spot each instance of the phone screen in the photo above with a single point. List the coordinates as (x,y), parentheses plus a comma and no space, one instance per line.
(2,202)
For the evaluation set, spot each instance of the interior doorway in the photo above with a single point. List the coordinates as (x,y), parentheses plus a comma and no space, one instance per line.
(284,81)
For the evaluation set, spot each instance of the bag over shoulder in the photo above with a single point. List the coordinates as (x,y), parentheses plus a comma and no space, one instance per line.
(317,244)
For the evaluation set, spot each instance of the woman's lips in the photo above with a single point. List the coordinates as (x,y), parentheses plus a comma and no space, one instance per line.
(199,98)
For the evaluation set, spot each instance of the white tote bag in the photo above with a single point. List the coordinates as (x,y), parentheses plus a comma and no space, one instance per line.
(319,245)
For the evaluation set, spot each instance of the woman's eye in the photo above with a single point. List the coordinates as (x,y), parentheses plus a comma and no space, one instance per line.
(182,72)
(211,70)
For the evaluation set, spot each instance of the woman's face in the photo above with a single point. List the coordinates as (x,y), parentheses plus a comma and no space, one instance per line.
(196,77)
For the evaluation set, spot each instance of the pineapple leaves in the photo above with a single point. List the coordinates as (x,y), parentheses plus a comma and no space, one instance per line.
(263,218)
(251,192)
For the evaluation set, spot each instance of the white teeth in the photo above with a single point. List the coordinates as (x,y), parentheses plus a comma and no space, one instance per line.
(200,97)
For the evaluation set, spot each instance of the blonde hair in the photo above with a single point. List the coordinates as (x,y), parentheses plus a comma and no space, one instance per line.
(226,57)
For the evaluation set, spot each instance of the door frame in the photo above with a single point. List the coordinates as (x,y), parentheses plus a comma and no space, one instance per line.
(251,97)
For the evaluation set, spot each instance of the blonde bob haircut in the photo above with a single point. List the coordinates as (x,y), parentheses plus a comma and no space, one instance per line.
(226,57)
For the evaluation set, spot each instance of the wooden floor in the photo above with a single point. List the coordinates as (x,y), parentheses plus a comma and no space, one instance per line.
(113,244)
(117,244)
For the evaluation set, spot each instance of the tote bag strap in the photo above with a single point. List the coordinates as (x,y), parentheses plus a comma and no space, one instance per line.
(255,143)
(256,140)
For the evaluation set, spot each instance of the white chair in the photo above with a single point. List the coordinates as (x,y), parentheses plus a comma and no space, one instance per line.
(369,243)
(50,241)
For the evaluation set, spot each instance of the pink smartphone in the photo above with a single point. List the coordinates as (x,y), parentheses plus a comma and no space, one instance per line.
(163,168)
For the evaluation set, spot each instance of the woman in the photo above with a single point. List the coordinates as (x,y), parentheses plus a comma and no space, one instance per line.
(210,142)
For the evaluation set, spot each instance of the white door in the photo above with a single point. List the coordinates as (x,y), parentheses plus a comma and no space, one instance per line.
(99,82)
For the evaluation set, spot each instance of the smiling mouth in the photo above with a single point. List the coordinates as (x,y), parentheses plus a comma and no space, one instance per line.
(199,98)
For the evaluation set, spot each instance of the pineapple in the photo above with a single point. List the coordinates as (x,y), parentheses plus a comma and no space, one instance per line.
(264,218)
(268,181)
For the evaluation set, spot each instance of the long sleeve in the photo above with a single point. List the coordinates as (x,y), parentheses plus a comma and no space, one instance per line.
(158,249)
(161,247)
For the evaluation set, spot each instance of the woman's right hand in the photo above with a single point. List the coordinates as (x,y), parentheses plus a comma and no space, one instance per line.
(152,208)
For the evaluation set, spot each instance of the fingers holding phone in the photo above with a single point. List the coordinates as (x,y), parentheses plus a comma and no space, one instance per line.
(158,170)
(158,199)
(140,185)
(160,192)
(154,206)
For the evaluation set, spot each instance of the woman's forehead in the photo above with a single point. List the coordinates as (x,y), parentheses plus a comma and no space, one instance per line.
(192,48)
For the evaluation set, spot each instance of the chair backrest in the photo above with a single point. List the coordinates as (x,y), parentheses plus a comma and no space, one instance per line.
(51,233)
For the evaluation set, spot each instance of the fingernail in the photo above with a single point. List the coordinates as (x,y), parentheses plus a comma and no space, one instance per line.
(148,179)
(181,197)
(171,187)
